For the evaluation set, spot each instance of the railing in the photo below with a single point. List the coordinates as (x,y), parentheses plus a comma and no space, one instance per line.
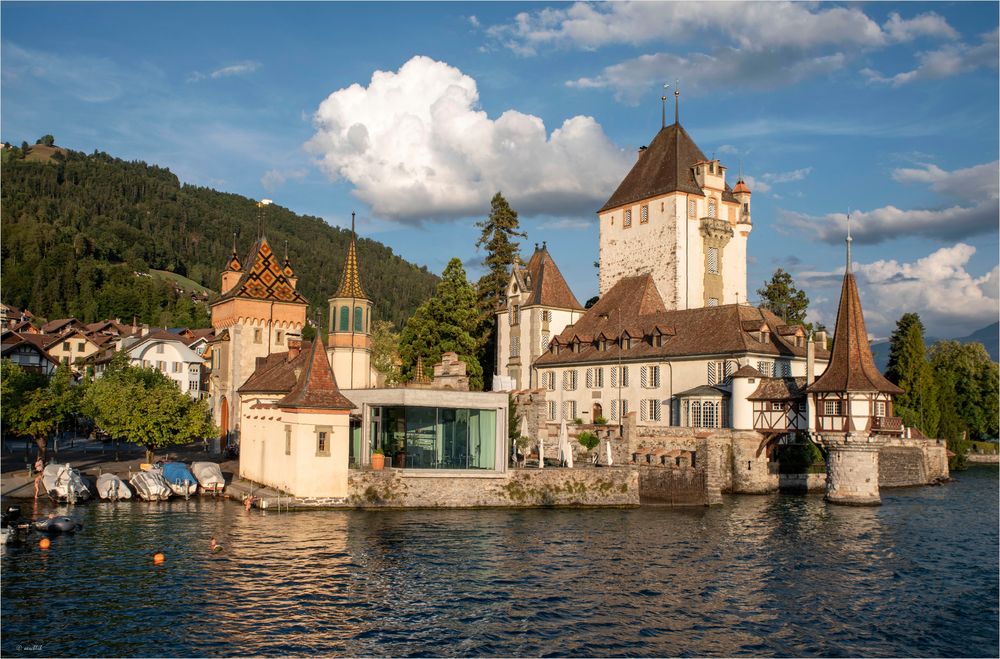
(887,424)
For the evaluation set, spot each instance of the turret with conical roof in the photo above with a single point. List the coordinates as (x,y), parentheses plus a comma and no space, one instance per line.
(349,339)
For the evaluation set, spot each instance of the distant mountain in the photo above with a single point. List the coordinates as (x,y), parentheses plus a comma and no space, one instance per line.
(989,336)
(78,227)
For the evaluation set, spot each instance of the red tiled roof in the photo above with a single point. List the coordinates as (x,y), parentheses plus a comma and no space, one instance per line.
(548,287)
(317,386)
(59,325)
(851,366)
(779,389)
(634,306)
(746,371)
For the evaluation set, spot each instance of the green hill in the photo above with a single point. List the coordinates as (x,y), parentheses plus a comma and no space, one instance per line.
(77,228)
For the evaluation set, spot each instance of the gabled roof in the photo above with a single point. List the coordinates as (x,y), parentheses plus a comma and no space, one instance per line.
(265,279)
(13,341)
(851,366)
(548,287)
(779,389)
(317,385)
(634,306)
(746,371)
(60,324)
(163,336)
(702,391)
(350,278)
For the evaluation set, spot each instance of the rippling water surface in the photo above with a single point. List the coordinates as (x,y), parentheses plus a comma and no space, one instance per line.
(768,575)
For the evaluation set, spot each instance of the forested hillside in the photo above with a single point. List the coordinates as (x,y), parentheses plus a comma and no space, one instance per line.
(76,228)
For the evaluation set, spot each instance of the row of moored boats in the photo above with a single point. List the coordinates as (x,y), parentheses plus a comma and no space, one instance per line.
(153,483)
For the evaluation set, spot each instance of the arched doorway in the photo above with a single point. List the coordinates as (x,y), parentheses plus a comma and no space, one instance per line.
(224,419)
(598,412)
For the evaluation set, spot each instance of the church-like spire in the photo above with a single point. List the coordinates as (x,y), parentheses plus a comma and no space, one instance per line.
(350,280)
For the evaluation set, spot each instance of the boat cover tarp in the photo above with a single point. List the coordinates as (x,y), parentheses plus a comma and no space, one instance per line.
(63,482)
(109,486)
(151,486)
(180,478)
(209,475)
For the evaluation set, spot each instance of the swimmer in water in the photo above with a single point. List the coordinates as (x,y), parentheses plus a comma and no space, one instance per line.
(214,546)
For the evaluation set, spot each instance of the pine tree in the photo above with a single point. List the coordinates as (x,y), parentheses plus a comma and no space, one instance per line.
(909,368)
(498,233)
(781,296)
(445,323)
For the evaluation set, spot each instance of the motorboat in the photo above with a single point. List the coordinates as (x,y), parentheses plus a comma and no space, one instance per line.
(110,487)
(150,486)
(179,478)
(57,524)
(209,476)
(63,483)
(13,529)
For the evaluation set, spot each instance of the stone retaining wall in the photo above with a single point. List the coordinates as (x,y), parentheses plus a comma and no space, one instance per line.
(677,486)
(393,488)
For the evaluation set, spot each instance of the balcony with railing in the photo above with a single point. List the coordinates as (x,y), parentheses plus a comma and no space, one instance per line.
(887,425)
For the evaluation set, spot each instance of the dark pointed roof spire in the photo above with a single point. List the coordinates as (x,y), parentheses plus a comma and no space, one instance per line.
(234,263)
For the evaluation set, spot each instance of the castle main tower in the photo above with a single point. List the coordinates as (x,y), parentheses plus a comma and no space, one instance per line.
(675,217)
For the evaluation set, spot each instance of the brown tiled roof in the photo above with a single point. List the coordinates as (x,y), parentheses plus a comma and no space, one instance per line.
(275,374)
(204,333)
(665,166)
(548,288)
(703,331)
(265,279)
(58,325)
(851,366)
(779,389)
(746,371)
(316,386)
(350,279)
(13,340)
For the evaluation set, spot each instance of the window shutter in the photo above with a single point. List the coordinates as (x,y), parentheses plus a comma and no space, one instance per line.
(713,260)
(624,408)
(730,368)
(614,376)
(643,377)
(642,410)
(655,371)
(656,409)
(614,410)
(590,378)
(712,373)
(625,378)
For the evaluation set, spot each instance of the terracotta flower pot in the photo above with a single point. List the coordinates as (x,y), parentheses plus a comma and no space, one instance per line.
(378,461)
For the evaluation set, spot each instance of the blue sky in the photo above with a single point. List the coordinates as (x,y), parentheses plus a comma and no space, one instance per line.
(414,114)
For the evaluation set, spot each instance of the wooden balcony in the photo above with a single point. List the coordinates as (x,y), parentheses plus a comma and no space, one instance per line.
(887,425)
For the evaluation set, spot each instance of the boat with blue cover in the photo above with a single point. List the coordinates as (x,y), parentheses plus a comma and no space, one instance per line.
(179,478)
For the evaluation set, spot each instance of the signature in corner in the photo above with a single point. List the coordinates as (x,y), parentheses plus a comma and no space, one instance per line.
(31,647)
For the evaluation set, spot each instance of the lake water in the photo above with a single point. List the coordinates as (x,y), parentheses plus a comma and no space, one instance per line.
(767,575)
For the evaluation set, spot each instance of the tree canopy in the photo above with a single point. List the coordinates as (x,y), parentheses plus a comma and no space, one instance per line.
(498,234)
(35,407)
(145,407)
(782,297)
(445,323)
(909,368)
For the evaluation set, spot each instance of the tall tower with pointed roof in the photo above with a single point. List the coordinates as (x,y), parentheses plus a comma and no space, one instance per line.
(349,339)
(675,217)
(258,310)
(853,403)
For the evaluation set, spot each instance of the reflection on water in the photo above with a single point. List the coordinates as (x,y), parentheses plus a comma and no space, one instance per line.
(767,575)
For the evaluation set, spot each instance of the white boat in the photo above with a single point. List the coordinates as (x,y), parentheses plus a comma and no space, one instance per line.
(109,486)
(63,483)
(151,486)
(209,476)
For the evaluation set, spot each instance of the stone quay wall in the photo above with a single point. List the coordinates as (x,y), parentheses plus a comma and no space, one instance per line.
(520,488)
(676,486)
(905,462)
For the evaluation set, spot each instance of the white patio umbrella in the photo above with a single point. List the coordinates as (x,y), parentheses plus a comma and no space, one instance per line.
(524,427)
(565,449)
(541,451)
(607,447)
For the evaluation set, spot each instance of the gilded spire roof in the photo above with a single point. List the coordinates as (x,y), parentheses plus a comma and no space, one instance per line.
(265,279)
(851,366)
(350,280)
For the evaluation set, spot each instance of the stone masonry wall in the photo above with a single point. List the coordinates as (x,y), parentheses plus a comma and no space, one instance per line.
(677,486)
(391,488)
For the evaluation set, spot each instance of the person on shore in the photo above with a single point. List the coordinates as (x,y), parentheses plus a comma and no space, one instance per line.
(39,470)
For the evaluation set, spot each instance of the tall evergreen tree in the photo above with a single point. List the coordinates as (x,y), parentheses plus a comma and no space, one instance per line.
(909,368)
(782,297)
(498,233)
(445,323)
(967,382)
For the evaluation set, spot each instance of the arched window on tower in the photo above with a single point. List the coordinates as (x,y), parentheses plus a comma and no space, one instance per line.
(359,319)
(345,321)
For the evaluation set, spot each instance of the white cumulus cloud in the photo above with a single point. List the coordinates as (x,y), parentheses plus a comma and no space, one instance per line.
(947,61)
(416,146)
(951,301)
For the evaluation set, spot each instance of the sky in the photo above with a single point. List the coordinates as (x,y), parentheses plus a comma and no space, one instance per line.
(415,114)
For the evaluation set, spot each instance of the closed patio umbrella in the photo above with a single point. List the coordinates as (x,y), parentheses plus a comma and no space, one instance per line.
(564,446)
(524,427)
(541,452)
(607,447)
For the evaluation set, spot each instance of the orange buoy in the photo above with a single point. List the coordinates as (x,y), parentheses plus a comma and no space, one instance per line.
(44,543)
(158,558)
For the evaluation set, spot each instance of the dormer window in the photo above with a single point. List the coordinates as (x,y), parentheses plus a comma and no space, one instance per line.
(602,344)
(626,342)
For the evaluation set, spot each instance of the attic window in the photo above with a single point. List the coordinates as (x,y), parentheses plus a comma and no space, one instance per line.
(602,344)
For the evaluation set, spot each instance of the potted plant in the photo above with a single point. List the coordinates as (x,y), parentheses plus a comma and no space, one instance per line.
(589,440)
(600,421)
(378,460)
(522,443)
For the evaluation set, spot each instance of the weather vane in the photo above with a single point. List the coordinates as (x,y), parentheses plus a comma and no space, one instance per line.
(663,109)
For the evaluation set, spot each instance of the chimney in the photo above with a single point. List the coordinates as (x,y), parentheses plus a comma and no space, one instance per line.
(821,338)
(294,344)
(810,361)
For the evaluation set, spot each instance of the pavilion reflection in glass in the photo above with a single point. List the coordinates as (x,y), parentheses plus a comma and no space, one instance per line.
(436,437)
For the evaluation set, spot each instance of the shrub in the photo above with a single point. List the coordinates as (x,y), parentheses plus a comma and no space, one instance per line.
(600,420)
(589,440)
